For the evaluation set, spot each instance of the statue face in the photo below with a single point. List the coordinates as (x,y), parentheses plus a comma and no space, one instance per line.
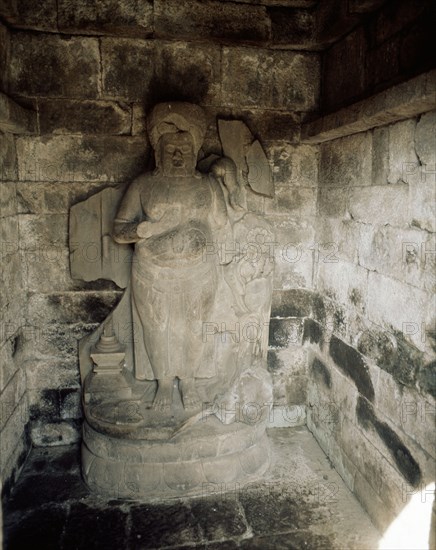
(177,154)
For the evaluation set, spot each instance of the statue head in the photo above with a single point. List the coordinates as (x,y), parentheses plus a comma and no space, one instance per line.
(176,132)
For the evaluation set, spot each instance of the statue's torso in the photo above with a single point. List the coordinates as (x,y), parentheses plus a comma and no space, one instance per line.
(191,200)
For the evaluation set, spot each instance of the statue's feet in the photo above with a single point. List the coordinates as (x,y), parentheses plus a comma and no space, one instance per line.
(164,395)
(190,397)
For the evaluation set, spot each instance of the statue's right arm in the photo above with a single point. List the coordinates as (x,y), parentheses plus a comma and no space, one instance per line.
(129,216)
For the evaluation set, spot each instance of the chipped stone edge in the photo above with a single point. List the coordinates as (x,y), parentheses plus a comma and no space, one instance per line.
(14,119)
(405,100)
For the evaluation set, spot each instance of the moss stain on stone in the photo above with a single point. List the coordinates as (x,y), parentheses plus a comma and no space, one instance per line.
(274,362)
(352,364)
(313,332)
(321,372)
(405,462)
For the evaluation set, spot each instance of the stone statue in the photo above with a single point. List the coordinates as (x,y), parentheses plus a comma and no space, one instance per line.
(171,216)
(176,391)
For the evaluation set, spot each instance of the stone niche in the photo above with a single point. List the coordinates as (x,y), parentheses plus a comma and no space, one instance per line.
(175,386)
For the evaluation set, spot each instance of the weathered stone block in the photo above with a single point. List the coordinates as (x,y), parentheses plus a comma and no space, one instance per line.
(46,268)
(404,254)
(13,302)
(296,390)
(353,365)
(285,332)
(289,391)
(389,443)
(377,510)
(270,79)
(70,403)
(422,201)
(76,158)
(127,18)
(52,374)
(424,144)
(54,433)
(54,404)
(321,374)
(15,119)
(380,204)
(313,332)
(382,476)
(291,270)
(4,52)
(27,14)
(292,252)
(337,239)
(127,68)
(323,416)
(8,199)
(12,431)
(408,410)
(294,165)
(211,19)
(187,72)
(42,64)
(138,120)
(346,161)
(402,155)
(13,463)
(43,229)
(46,198)
(333,201)
(293,201)
(292,27)
(8,158)
(271,126)
(393,304)
(291,360)
(344,282)
(151,72)
(291,303)
(56,340)
(59,116)
(43,404)
(7,351)
(9,235)
(330,385)
(11,396)
(71,307)
(380,155)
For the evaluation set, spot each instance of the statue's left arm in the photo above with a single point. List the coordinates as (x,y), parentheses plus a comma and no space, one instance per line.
(129,216)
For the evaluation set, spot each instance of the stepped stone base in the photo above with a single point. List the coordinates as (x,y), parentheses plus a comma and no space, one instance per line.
(171,467)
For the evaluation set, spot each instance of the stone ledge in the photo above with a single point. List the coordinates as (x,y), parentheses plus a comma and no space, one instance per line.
(405,100)
(14,119)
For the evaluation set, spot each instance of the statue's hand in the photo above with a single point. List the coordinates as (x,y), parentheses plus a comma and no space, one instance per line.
(144,230)
(170,219)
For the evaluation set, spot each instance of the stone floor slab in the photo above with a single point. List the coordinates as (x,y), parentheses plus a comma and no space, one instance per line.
(300,503)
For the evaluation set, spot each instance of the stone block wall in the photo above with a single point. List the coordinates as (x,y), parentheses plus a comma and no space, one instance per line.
(91,89)
(14,442)
(372,340)
(392,45)
(14,415)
